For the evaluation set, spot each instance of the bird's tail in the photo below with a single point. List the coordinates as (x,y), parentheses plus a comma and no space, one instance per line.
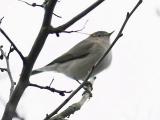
(35,72)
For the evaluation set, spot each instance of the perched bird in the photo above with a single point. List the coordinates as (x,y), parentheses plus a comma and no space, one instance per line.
(78,61)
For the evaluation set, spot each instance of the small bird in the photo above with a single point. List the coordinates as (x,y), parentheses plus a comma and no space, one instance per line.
(78,61)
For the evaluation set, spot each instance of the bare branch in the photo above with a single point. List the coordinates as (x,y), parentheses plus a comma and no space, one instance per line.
(36,5)
(60,92)
(57,15)
(8,71)
(75,19)
(76,106)
(16,115)
(51,82)
(14,46)
(29,62)
(98,62)
(120,34)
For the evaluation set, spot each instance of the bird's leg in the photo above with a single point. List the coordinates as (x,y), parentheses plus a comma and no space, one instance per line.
(87,84)
(85,87)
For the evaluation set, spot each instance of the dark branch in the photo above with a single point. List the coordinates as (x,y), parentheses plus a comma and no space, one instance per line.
(57,15)
(16,115)
(51,82)
(98,62)
(14,46)
(75,19)
(60,92)
(29,62)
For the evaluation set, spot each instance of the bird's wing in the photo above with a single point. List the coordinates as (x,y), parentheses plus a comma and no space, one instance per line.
(79,51)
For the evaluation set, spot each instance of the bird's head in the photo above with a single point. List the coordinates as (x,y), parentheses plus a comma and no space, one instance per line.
(101,34)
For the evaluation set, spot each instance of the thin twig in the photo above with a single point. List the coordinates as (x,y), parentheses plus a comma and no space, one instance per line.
(98,62)
(51,82)
(1,20)
(37,5)
(75,19)
(9,72)
(120,34)
(14,46)
(57,15)
(76,30)
(60,92)
(33,4)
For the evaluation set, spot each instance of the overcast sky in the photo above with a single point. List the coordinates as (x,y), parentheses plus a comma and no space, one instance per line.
(127,90)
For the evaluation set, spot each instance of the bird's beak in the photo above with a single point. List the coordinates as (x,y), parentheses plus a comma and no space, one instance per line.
(111,33)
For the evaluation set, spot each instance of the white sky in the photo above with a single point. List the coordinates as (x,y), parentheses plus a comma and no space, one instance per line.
(128,90)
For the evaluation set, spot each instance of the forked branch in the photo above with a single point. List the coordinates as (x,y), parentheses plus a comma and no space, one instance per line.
(14,46)
(75,19)
(60,92)
(8,70)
